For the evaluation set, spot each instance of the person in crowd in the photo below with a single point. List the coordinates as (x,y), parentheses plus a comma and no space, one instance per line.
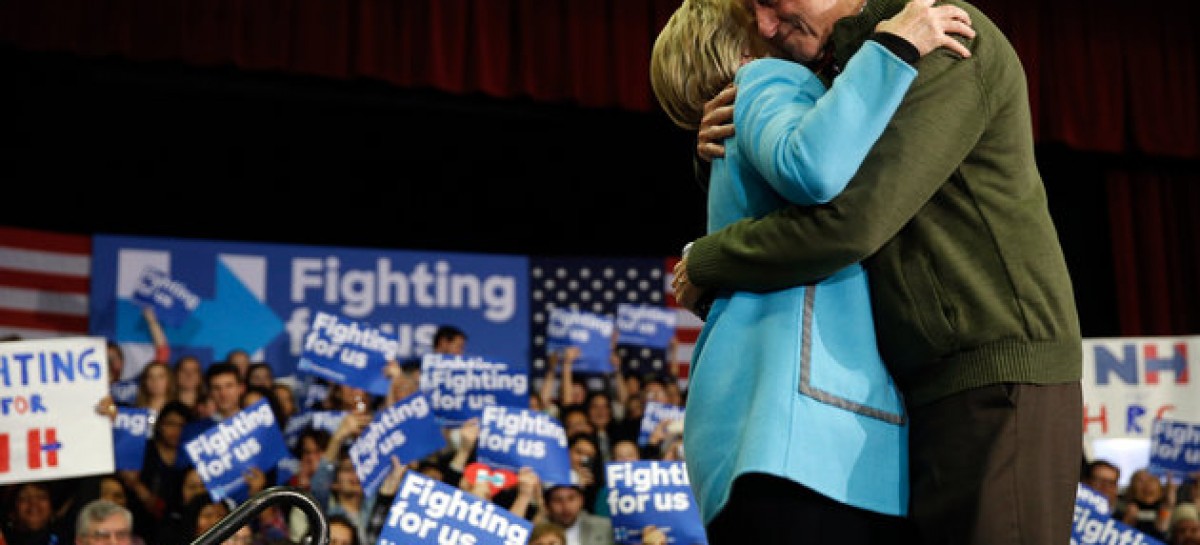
(286,398)
(547,533)
(29,515)
(225,387)
(310,446)
(1185,525)
(243,536)
(102,522)
(342,531)
(565,507)
(335,485)
(1147,504)
(449,340)
(240,359)
(260,374)
(200,515)
(158,484)
(156,386)
(189,381)
(110,487)
(1103,476)
(587,470)
(954,175)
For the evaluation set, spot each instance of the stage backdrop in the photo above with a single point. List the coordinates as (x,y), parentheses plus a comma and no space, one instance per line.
(262,297)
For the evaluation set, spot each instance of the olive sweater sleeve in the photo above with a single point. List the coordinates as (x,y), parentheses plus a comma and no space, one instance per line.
(936,126)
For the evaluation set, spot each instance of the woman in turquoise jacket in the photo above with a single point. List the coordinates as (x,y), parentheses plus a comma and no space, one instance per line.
(789,384)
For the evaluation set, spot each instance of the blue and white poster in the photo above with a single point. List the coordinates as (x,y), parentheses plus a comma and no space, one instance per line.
(224,452)
(513,437)
(131,428)
(406,430)
(1092,524)
(652,492)
(460,388)
(318,420)
(124,392)
(645,325)
(347,352)
(263,297)
(172,301)
(591,333)
(654,414)
(431,512)
(1175,448)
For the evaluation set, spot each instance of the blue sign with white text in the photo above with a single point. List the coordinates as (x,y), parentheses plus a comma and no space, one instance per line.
(461,388)
(432,512)
(347,352)
(591,333)
(1175,447)
(652,492)
(645,325)
(1093,526)
(263,297)
(173,303)
(655,414)
(513,437)
(406,430)
(223,453)
(131,429)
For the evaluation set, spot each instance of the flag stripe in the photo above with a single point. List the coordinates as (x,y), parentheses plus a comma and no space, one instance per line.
(43,262)
(50,302)
(42,320)
(48,281)
(45,241)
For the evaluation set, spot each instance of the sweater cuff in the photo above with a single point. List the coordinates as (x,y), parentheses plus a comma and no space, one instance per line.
(899,47)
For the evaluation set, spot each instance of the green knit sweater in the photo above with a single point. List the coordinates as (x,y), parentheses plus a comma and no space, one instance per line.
(949,216)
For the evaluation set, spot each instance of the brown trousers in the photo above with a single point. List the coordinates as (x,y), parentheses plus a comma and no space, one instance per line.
(997,465)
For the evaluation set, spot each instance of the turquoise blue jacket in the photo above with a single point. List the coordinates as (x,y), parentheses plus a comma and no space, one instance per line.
(790,383)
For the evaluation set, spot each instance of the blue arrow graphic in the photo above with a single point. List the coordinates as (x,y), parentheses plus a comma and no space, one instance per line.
(233,318)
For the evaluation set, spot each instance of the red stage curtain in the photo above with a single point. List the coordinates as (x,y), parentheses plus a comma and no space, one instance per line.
(1103,77)
(1155,230)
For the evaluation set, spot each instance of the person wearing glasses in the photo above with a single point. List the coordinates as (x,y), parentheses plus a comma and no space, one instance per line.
(102,522)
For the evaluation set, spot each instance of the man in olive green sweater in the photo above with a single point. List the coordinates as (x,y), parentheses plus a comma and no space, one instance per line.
(974,308)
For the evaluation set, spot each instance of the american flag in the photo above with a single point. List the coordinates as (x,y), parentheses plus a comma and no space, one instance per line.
(598,285)
(44,282)
(44,279)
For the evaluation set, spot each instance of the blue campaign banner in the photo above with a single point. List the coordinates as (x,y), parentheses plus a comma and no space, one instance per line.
(262,297)
(172,301)
(315,392)
(645,325)
(652,492)
(460,388)
(223,452)
(287,468)
(1175,447)
(1093,526)
(347,352)
(131,429)
(406,430)
(319,420)
(124,392)
(513,437)
(591,333)
(427,511)
(655,413)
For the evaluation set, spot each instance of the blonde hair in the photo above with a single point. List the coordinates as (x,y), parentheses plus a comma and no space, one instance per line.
(696,54)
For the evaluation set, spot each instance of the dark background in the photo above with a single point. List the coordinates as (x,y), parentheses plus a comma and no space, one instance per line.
(106,145)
